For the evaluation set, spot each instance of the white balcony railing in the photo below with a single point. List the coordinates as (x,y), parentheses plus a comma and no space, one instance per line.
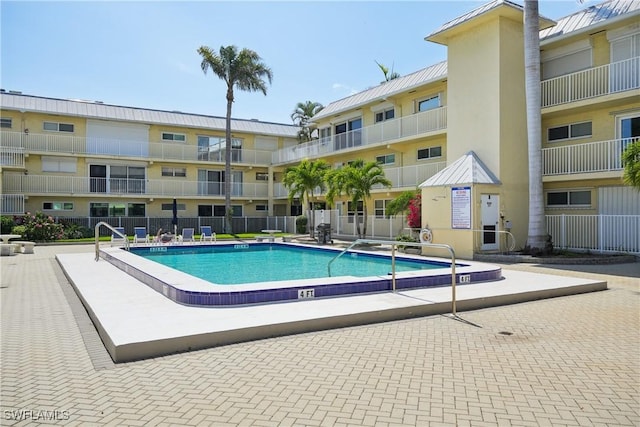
(17,183)
(389,130)
(12,204)
(589,157)
(12,157)
(598,81)
(55,143)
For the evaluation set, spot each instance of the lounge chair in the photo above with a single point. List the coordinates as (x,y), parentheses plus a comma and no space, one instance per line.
(140,235)
(117,239)
(187,235)
(206,235)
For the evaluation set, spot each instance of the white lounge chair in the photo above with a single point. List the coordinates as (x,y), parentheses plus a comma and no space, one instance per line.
(140,235)
(117,239)
(206,234)
(187,235)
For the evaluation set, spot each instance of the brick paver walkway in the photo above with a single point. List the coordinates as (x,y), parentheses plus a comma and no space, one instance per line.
(571,361)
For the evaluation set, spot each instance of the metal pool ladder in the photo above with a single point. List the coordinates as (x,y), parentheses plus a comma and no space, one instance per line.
(394,245)
(113,230)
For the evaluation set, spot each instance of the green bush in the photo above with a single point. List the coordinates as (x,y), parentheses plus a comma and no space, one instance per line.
(405,238)
(6,224)
(301,224)
(75,231)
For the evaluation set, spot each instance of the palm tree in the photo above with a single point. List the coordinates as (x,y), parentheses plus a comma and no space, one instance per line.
(536,237)
(356,181)
(302,180)
(388,74)
(302,116)
(631,162)
(243,70)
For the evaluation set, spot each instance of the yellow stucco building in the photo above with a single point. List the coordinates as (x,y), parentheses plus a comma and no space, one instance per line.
(455,129)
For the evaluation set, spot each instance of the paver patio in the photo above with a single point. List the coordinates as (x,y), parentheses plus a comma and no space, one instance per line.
(565,361)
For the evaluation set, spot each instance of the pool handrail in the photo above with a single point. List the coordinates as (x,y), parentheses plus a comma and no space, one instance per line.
(394,244)
(114,231)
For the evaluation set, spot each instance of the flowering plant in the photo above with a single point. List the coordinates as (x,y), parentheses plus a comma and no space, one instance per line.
(414,217)
(41,227)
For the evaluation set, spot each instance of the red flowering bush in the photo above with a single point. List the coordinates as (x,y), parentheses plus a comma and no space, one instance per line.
(414,217)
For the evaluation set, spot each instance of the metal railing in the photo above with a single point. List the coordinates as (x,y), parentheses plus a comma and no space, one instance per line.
(595,233)
(394,245)
(79,145)
(113,231)
(387,131)
(601,156)
(597,81)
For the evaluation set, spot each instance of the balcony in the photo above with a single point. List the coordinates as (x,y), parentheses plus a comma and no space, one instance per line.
(598,81)
(17,183)
(68,144)
(383,132)
(11,157)
(590,157)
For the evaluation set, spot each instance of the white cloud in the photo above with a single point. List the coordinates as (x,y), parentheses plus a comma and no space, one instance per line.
(344,88)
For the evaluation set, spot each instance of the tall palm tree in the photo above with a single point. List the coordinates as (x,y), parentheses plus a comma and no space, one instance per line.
(356,181)
(536,235)
(303,179)
(243,70)
(631,162)
(302,116)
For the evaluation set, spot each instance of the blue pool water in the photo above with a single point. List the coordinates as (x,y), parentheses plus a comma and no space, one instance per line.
(239,264)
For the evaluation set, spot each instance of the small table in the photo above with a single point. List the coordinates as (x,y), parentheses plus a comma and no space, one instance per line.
(271,234)
(6,237)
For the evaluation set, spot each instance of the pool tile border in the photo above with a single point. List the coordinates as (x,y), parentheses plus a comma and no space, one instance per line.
(188,290)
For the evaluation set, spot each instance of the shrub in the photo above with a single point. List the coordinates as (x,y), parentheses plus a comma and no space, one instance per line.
(405,238)
(41,228)
(414,217)
(6,224)
(301,224)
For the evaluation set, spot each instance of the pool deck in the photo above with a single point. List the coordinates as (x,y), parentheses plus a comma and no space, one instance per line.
(135,322)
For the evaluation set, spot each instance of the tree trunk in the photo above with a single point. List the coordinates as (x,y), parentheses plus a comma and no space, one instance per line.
(311,219)
(227,166)
(536,237)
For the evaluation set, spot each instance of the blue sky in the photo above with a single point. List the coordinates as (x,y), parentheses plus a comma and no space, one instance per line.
(143,54)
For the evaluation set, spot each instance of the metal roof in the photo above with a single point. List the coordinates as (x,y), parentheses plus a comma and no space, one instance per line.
(386,89)
(468,169)
(97,110)
(593,15)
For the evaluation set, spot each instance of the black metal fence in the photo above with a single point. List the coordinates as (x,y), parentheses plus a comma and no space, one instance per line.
(240,224)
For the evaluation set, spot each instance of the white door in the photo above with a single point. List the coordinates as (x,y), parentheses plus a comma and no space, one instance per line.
(490,216)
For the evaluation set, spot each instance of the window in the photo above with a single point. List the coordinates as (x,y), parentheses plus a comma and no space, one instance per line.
(57,127)
(262,176)
(351,211)
(262,207)
(218,210)
(576,130)
(5,122)
(116,209)
(213,148)
(117,179)
(176,137)
(427,104)
(566,64)
(57,206)
(387,159)
(348,134)
(169,207)
(380,207)
(59,164)
(428,153)
(325,134)
(176,172)
(383,115)
(577,198)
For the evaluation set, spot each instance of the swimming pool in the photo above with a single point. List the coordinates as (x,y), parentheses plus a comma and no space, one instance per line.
(269,263)
(187,289)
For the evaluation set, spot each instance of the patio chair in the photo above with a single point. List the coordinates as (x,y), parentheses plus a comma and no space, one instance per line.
(140,235)
(206,234)
(117,239)
(187,235)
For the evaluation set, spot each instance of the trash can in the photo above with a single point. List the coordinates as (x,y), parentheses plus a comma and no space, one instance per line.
(323,234)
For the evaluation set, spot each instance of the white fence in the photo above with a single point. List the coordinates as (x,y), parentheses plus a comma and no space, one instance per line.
(596,233)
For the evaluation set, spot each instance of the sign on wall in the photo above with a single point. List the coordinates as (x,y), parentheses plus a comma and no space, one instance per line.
(461,207)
